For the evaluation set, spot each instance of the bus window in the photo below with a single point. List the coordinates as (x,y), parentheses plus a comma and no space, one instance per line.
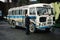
(52,11)
(41,10)
(13,12)
(10,13)
(32,11)
(49,10)
(20,12)
(17,12)
(24,12)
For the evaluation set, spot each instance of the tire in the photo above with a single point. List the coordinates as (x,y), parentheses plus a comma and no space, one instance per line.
(47,29)
(13,24)
(32,28)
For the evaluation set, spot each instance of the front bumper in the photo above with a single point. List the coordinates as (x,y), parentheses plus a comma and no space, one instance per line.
(43,27)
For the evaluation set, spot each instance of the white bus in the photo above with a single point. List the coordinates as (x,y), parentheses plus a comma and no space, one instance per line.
(41,16)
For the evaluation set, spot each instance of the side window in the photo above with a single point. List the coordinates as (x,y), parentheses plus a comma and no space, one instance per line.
(10,13)
(17,12)
(49,10)
(24,12)
(20,12)
(13,12)
(32,11)
(52,11)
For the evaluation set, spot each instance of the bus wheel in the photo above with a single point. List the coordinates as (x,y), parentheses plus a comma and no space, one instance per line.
(13,24)
(47,29)
(32,28)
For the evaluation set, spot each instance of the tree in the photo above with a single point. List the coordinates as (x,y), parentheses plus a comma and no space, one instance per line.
(22,2)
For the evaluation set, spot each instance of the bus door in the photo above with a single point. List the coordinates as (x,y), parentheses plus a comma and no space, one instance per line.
(24,12)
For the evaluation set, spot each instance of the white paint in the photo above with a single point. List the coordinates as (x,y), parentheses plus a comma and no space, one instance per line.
(2,0)
(6,0)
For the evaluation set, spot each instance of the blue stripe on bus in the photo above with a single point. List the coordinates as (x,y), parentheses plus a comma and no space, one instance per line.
(31,17)
(16,16)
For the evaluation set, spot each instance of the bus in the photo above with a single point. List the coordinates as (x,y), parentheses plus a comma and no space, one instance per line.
(41,16)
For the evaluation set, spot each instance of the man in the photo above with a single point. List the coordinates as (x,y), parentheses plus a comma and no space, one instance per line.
(27,23)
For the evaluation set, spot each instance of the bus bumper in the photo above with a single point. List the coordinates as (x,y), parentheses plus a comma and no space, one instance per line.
(43,27)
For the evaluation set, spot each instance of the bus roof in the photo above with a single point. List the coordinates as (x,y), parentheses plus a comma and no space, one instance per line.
(32,5)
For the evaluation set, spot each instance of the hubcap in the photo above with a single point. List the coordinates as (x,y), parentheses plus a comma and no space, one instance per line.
(13,24)
(31,28)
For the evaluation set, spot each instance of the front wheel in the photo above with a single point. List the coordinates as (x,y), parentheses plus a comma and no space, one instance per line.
(13,24)
(32,28)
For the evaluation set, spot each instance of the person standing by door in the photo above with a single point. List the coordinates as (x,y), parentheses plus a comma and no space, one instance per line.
(27,23)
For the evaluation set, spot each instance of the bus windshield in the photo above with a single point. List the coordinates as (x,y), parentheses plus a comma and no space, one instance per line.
(44,10)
